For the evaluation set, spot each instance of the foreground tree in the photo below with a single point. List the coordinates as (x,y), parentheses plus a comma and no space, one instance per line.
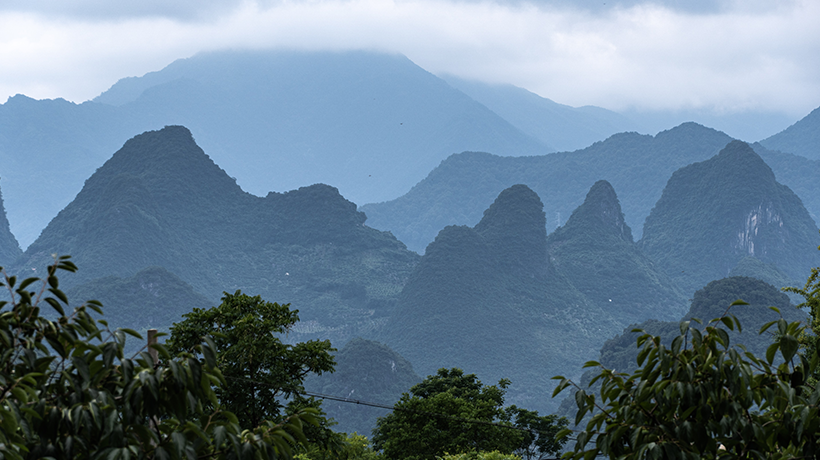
(703,398)
(261,371)
(67,391)
(540,433)
(449,413)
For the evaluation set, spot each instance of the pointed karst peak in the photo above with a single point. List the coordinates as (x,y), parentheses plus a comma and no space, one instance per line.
(167,158)
(514,226)
(600,212)
(739,160)
(515,209)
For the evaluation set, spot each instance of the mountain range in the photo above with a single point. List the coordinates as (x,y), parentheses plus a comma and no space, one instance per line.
(160,229)
(530,263)
(638,166)
(370,124)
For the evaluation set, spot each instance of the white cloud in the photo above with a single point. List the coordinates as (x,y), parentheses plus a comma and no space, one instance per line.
(734,56)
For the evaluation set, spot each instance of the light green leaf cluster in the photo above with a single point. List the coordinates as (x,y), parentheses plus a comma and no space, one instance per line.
(67,391)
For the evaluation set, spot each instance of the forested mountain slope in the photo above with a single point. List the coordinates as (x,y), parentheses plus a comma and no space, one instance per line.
(489,299)
(595,252)
(714,213)
(365,371)
(161,201)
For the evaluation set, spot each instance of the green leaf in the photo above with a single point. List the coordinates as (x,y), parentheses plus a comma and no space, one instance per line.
(788,346)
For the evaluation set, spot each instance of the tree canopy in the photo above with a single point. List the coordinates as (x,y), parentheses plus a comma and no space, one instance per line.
(67,390)
(260,370)
(453,413)
(704,398)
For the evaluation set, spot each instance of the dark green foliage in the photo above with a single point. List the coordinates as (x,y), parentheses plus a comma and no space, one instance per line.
(367,371)
(594,251)
(540,432)
(801,138)
(620,354)
(261,371)
(413,431)
(69,392)
(161,201)
(9,248)
(464,185)
(714,213)
(703,398)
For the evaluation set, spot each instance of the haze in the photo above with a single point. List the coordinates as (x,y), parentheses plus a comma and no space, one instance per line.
(717,57)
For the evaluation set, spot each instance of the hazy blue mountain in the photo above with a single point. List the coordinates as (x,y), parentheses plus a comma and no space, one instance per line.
(461,187)
(371,124)
(595,252)
(747,125)
(559,126)
(9,248)
(161,201)
(801,138)
(365,371)
(714,213)
(488,300)
(47,149)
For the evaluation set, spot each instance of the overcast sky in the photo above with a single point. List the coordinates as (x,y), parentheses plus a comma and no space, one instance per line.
(726,56)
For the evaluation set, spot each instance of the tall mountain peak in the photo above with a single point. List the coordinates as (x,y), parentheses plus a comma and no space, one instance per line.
(600,213)
(515,227)
(595,252)
(714,213)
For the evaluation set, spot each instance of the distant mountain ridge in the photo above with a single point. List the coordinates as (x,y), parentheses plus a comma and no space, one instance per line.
(801,138)
(461,187)
(559,126)
(370,124)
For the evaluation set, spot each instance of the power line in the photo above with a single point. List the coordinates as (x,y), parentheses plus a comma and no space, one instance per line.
(394,408)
